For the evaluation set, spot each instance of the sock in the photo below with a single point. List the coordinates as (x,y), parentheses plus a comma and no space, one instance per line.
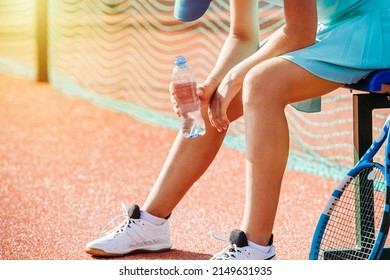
(263,249)
(151,218)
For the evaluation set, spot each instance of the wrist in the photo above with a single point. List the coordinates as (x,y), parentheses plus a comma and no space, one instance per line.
(212,82)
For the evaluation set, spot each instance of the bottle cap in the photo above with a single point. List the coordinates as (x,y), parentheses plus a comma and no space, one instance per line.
(190,10)
(180,60)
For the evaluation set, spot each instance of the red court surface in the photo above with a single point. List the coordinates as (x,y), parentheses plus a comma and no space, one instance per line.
(66,165)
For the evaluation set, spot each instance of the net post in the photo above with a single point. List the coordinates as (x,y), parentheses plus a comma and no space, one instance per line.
(41,40)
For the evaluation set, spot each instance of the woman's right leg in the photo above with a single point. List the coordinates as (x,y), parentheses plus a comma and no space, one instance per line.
(187,160)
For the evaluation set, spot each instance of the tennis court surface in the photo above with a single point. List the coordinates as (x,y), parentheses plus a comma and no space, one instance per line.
(66,165)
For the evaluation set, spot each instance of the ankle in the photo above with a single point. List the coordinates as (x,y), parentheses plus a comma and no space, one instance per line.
(260,248)
(152,218)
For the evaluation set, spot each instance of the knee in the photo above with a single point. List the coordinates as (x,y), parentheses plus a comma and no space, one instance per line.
(261,88)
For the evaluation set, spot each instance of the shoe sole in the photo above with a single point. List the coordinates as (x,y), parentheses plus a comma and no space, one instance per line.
(100,253)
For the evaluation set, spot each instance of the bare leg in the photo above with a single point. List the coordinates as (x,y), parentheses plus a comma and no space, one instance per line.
(195,155)
(268,88)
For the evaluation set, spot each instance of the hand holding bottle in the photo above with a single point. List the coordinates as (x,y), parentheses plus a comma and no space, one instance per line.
(185,100)
(205,92)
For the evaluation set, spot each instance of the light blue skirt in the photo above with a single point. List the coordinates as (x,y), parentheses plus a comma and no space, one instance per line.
(348,48)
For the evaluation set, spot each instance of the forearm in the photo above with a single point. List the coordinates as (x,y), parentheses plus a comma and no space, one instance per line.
(281,42)
(234,51)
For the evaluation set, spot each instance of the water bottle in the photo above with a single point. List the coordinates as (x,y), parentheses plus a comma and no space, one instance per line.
(184,85)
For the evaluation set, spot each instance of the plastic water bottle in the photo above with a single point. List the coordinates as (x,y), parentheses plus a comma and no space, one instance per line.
(184,85)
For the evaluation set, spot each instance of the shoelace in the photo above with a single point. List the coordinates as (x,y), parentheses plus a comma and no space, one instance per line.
(230,251)
(122,226)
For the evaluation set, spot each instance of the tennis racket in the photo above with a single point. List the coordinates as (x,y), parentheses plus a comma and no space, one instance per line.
(355,221)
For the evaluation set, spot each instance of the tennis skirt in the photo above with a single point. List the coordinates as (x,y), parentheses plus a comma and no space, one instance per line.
(348,47)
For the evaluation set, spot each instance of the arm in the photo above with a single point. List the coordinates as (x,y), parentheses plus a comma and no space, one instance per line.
(243,38)
(299,32)
(242,42)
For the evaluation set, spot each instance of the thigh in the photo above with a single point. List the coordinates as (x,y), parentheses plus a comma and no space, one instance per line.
(284,82)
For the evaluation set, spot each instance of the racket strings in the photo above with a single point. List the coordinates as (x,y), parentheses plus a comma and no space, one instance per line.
(355,217)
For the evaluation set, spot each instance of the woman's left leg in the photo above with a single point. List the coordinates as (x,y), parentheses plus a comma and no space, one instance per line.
(268,88)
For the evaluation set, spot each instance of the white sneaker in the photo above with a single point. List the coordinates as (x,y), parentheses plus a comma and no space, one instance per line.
(239,249)
(132,235)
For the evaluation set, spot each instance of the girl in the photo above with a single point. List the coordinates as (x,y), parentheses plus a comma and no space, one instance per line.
(323,45)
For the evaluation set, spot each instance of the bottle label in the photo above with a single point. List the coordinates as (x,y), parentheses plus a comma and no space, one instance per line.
(186,96)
